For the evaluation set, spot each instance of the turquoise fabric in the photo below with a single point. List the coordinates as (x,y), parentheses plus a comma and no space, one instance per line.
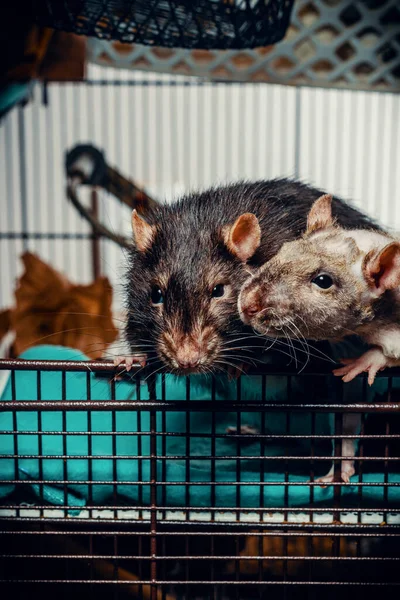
(304,388)
(13,93)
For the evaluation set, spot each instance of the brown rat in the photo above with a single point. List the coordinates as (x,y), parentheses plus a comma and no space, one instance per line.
(329,284)
(190,259)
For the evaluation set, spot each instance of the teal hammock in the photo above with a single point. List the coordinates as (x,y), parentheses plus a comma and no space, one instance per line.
(227,493)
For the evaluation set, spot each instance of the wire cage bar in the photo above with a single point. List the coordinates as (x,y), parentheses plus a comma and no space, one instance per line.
(59,532)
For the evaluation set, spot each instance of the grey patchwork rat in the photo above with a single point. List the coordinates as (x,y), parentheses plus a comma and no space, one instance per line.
(189,260)
(329,284)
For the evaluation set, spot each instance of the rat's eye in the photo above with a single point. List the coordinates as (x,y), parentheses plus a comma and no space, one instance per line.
(323,281)
(218,291)
(157,295)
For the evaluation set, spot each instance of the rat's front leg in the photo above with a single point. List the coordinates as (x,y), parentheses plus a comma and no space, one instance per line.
(371,362)
(351,426)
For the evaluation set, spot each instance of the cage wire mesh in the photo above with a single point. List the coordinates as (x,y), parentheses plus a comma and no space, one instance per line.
(170,23)
(108,492)
(327,44)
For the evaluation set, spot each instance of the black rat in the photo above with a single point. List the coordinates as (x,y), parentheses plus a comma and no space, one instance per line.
(189,260)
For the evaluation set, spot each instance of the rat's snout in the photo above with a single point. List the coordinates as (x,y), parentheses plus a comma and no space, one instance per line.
(188,354)
(250,303)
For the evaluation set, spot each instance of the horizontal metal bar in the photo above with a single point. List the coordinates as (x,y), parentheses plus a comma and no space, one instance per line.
(245,436)
(193,557)
(205,509)
(60,365)
(299,529)
(192,457)
(214,582)
(105,366)
(195,405)
(192,483)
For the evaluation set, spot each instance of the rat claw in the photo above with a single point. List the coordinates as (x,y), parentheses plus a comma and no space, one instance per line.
(370,362)
(130,361)
(341,371)
(346,472)
(351,375)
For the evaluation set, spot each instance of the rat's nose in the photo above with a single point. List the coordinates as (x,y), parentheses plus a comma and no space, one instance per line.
(187,356)
(188,363)
(250,303)
(251,309)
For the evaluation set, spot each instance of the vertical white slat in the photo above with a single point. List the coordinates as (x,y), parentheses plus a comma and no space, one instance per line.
(370,154)
(262,134)
(250,96)
(173,139)
(10,203)
(5,203)
(234,145)
(222,116)
(28,118)
(384,179)
(179,135)
(318,146)
(346,145)
(275,122)
(331,140)
(288,167)
(394,212)
(12,174)
(206,147)
(194,96)
(305,134)
(138,133)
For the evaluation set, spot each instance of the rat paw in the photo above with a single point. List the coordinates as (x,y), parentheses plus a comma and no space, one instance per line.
(347,471)
(129,361)
(370,362)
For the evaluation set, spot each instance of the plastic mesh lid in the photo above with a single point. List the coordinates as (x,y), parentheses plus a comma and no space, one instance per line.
(173,23)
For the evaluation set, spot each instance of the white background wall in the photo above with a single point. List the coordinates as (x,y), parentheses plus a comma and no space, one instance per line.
(172,135)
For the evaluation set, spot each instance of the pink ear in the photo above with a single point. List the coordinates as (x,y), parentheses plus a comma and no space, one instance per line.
(143,233)
(320,215)
(382,270)
(243,237)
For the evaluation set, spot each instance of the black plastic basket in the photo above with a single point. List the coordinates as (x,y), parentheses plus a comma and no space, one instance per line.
(217,24)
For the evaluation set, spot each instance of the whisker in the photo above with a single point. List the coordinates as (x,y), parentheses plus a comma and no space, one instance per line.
(296,337)
(225,362)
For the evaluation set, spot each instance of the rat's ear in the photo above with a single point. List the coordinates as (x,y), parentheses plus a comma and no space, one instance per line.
(143,233)
(320,215)
(382,269)
(243,237)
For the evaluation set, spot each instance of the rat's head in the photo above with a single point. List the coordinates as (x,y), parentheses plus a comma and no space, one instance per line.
(321,286)
(184,282)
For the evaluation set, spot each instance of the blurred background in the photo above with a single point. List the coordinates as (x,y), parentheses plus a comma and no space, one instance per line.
(321,106)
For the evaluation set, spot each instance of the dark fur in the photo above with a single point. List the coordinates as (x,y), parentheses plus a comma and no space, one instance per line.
(188,251)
